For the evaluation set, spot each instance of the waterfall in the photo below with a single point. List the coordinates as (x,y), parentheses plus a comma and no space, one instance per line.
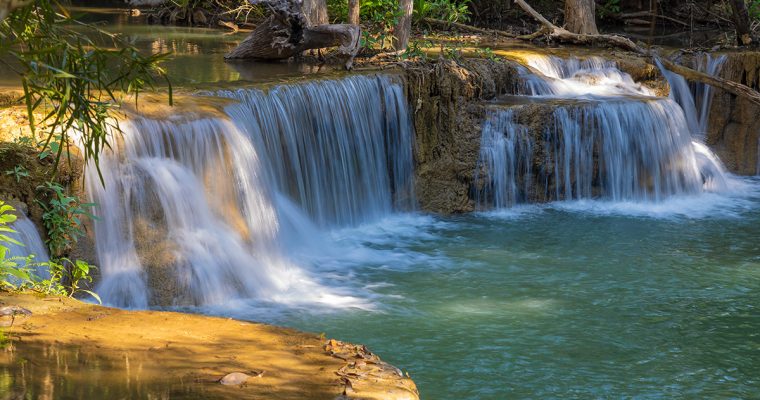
(695,99)
(575,78)
(505,158)
(608,138)
(201,211)
(341,150)
(27,234)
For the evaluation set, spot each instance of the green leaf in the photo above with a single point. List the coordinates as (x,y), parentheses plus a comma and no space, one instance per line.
(93,294)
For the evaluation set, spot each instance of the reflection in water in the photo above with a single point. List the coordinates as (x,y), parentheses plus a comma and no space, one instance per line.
(41,371)
(197,53)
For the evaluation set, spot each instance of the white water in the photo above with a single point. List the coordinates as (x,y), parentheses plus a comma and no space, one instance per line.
(695,99)
(505,159)
(343,152)
(610,138)
(201,212)
(27,234)
(551,76)
(32,245)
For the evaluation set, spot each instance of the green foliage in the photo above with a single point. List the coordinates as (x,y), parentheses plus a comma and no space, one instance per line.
(487,53)
(382,17)
(416,50)
(5,340)
(753,9)
(607,8)
(62,217)
(11,269)
(7,265)
(72,273)
(446,10)
(67,277)
(452,51)
(68,77)
(337,10)
(18,172)
(24,141)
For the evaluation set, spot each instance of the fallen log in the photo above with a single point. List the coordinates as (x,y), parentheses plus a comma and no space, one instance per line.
(563,35)
(287,33)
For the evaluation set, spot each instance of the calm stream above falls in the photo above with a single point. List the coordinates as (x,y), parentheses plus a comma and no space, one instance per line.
(621,261)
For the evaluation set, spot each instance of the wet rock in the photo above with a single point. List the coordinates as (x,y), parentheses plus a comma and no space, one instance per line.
(734,130)
(239,378)
(448,106)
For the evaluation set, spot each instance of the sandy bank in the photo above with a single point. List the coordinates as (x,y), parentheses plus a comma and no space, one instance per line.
(69,349)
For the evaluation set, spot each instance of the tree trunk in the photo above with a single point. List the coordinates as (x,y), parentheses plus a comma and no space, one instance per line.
(580,17)
(404,27)
(353,12)
(315,11)
(286,33)
(741,20)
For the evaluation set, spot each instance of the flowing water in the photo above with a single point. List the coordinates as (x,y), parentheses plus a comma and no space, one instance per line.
(294,207)
(27,234)
(645,290)
(610,138)
(231,206)
(643,282)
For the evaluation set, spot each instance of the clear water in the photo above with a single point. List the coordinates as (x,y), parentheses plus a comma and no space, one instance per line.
(197,54)
(579,299)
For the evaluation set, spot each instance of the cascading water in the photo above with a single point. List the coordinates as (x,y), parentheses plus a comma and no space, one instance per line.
(605,136)
(551,76)
(506,155)
(342,151)
(695,99)
(207,210)
(27,234)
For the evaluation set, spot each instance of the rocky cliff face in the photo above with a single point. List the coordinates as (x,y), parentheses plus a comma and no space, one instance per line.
(448,107)
(734,124)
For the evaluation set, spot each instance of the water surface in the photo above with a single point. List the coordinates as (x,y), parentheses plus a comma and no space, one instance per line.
(569,300)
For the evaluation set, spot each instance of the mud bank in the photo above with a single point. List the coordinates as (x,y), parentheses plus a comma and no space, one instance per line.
(70,349)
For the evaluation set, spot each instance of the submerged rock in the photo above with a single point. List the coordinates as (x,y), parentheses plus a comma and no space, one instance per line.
(238,378)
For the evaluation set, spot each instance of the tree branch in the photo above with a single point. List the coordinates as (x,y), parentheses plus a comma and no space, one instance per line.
(624,43)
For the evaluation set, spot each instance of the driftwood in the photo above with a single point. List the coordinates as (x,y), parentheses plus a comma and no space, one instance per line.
(624,43)
(287,33)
